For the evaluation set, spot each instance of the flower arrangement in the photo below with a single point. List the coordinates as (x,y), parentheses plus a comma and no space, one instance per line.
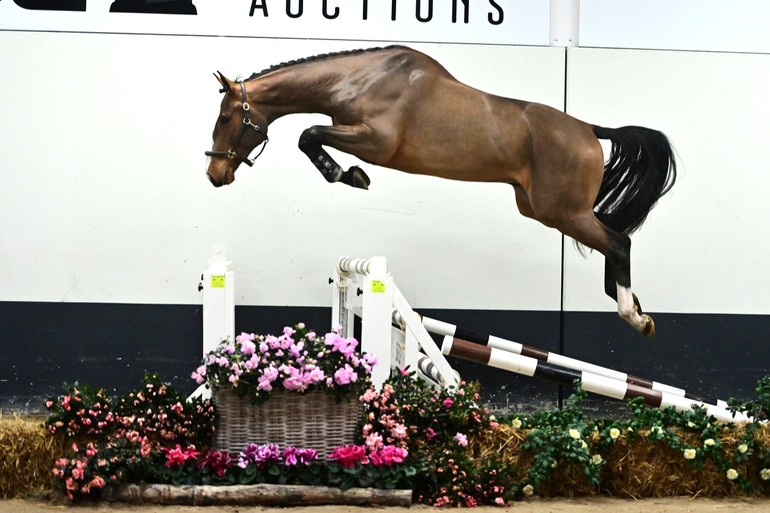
(435,427)
(298,360)
(441,443)
(114,441)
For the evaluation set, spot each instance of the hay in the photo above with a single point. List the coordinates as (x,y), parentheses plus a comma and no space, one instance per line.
(635,467)
(28,453)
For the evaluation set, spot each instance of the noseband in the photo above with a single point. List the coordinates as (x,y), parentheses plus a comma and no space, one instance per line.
(231,153)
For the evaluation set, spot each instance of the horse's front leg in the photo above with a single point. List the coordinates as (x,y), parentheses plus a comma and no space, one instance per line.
(310,142)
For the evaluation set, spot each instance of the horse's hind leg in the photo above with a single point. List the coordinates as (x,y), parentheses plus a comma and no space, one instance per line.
(311,141)
(616,248)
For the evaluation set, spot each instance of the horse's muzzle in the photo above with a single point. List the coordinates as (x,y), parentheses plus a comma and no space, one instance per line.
(215,182)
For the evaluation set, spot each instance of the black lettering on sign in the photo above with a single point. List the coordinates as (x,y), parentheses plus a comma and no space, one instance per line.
(154,6)
(52,5)
(326,11)
(418,14)
(492,19)
(261,5)
(299,10)
(466,16)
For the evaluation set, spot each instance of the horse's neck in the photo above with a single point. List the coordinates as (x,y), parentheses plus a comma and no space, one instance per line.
(291,91)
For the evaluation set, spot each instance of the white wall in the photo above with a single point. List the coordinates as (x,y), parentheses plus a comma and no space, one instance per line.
(702,25)
(104,182)
(104,196)
(704,248)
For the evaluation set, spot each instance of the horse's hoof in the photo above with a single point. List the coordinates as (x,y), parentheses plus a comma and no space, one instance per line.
(648,330)
(355,177)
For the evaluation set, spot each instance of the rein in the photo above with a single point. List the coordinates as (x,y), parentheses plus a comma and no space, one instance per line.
(247,123)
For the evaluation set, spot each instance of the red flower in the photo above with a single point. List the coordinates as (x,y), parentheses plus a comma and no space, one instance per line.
(178,455)
(349,455)
(388,455)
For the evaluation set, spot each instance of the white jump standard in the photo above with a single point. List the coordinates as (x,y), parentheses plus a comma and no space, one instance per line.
(364,285)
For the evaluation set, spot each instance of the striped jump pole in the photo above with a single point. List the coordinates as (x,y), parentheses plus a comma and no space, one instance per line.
(590,382)
(446,329)
(429,370)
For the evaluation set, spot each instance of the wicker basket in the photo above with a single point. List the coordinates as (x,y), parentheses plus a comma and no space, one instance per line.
(313,420)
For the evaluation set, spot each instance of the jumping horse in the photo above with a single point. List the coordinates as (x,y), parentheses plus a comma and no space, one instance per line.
(398,108)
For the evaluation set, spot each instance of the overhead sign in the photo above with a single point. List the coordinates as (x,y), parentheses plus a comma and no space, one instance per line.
(523,22)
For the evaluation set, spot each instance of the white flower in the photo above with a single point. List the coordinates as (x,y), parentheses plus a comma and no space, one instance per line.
(516,423)
(574,433)
(656,429)
(583,445)
(765,474)
(614,433)
(732,474)
(596,459)
(743,448)
(689,454)
(709,442)
(528,490)
(690,424)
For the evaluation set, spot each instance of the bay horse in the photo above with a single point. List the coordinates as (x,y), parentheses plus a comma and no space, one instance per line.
(399,108)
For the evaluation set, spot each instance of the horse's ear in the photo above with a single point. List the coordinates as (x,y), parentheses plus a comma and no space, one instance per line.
(226,84)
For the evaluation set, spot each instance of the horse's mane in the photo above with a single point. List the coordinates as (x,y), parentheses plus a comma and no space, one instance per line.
(319,57)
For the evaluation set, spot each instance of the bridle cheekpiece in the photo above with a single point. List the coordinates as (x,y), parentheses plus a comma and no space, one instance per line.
(246,124)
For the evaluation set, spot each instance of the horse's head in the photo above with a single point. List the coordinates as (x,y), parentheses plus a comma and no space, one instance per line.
(238,130)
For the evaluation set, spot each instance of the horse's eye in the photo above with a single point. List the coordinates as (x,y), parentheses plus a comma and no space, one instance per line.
(225,119)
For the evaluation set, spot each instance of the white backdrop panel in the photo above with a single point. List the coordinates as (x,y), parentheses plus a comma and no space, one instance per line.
(713,25)
(704,249)
(105,198)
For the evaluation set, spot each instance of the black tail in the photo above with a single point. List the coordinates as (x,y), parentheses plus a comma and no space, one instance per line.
(640,170)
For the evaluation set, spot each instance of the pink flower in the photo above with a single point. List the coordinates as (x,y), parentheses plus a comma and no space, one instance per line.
(248,347)
(448,402)
(349,455)
(374,441)
(178,456)
(398,431)
(369,396)
(388,455)
(306,456)
(345,375)
(97,482)
(77,473)
(461,439)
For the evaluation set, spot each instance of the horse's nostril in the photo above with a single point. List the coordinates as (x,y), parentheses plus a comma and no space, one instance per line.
(214,182)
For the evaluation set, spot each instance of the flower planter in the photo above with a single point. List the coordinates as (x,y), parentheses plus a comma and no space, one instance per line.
(311,420)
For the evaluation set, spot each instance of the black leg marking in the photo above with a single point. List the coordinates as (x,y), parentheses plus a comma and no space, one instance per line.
(310,144)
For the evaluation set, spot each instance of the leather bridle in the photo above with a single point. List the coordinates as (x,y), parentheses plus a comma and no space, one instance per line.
(246,124)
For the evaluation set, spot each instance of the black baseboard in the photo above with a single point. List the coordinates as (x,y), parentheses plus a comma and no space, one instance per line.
(113,345)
